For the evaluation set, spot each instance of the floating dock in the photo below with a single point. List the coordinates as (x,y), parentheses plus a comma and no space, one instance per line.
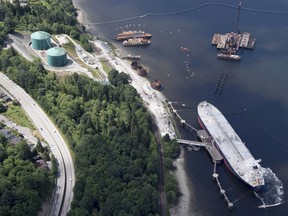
(230,43)
(233,40)
(247,41)
(215,39)
(132,57)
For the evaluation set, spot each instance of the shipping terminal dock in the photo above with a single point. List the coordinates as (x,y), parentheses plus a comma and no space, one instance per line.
(230,43)
(209,144)
(222,144)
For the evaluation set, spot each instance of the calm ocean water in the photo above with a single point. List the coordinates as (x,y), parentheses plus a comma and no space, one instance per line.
(258,83)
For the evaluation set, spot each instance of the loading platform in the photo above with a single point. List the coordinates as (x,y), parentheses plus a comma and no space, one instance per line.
(207,143)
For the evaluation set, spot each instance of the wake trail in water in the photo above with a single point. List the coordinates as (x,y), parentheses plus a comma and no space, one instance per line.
(272,193)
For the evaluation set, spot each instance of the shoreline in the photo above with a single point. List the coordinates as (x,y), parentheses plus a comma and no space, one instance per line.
(80,13)
(155,104)
(182,207)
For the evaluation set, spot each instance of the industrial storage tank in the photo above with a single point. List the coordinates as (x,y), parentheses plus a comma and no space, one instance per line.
(40,40)
(56,57)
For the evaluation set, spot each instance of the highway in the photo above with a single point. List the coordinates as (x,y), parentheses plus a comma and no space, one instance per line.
(63,195)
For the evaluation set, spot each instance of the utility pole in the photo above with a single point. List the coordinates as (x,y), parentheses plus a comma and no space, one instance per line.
(237,21)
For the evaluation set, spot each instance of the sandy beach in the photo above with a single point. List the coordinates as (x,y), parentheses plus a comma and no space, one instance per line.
(182,208)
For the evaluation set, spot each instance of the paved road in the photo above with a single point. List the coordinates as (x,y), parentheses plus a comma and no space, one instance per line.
(66,178)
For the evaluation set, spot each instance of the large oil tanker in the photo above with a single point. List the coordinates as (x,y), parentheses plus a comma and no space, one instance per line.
(125,35)
(236,155)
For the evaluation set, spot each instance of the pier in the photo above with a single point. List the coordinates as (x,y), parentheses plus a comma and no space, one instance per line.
(209,146)
(132,57)
(222,191)
(182,121)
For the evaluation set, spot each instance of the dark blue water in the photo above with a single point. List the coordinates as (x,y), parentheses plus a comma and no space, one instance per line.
(258,83)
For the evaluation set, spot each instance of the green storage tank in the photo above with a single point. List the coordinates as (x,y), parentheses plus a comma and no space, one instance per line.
(40,40)
(56,57)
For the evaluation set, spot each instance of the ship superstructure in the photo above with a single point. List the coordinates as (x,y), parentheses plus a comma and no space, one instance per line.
(236,155)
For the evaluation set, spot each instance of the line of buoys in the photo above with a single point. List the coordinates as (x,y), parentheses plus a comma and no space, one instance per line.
(218,82)
(221,82)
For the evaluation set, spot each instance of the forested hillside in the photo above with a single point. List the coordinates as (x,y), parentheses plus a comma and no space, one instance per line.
(109,131)
(107,127)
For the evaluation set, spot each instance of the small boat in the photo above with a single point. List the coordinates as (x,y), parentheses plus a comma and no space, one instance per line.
(156,84)
(184,49)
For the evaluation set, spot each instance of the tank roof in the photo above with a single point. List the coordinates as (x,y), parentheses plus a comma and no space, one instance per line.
(56,51)
(39,35)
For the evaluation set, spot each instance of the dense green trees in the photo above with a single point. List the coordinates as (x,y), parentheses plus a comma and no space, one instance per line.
(110,132)
(171,150)
(22,185)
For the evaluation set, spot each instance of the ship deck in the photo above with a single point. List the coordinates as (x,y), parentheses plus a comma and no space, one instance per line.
(231,146)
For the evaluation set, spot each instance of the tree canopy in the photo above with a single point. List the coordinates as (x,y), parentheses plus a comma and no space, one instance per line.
(23,186)
(110,132)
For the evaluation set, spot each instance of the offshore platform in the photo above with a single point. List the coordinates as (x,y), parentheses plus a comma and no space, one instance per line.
(230,43)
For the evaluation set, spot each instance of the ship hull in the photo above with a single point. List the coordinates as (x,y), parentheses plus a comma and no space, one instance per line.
(131,37)
(132,34)
(226,160)
(140,44)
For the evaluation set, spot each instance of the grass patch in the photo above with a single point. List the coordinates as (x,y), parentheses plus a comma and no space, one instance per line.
(105,66)
(70,49)
(17,115)
(96,73)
